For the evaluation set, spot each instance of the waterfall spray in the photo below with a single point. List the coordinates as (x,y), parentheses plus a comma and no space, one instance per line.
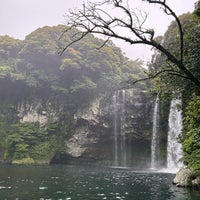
(154,139)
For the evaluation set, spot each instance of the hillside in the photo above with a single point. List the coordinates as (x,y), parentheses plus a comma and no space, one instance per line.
(42,90)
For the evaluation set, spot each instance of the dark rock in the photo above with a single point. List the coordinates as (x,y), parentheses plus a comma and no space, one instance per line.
(93,136)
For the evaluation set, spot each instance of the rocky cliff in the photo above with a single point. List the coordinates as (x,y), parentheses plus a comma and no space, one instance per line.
(93,137)
(90,138)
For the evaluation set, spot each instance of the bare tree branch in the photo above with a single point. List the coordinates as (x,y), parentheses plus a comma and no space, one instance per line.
(127,26)
(169,11)
(130,83)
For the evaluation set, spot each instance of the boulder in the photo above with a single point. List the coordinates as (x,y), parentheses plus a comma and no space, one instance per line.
(187,177)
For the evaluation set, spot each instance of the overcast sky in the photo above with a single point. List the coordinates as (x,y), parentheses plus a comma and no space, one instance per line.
(18,18)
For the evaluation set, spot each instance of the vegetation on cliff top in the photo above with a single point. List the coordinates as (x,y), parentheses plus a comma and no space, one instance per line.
(32,70)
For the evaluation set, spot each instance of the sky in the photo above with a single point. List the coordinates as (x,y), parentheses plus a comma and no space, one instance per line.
(19,18)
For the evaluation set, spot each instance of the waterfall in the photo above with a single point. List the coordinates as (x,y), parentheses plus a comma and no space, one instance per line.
(115,104)
(119,100)
(154,139)
(122,129)
(174,149)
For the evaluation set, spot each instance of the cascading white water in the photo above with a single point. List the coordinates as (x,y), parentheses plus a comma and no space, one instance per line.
(119,100)
(174,149)
(123,136)
(154,139)
(115,104)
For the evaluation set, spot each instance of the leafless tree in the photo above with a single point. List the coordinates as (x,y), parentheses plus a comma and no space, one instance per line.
(127,25)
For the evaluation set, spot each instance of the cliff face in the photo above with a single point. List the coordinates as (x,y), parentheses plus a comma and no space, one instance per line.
(92,129)
(36,112)
(94,135)
(86,132)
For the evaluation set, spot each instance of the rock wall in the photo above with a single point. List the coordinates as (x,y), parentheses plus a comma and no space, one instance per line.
(83,135)
(92,140)
(37,112)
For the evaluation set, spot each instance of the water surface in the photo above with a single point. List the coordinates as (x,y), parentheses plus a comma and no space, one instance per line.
(87,183)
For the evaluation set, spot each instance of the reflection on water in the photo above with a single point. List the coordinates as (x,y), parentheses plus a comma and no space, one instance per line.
(83,183)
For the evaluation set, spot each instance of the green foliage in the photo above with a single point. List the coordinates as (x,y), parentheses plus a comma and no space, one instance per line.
(85,84)
(9,47)
(21,151)
(42,151)
(191,133)
(173,78)
(30,141)
(36,62)
(192,50)
(22,136)
(23,161)
(197,9)
(4,71)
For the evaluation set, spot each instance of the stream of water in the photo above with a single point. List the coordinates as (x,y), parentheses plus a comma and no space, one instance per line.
(154,139)
(119,100)
(88,183)
(174,149)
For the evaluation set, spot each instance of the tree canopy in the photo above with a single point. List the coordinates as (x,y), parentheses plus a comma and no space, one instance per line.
(81,69)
